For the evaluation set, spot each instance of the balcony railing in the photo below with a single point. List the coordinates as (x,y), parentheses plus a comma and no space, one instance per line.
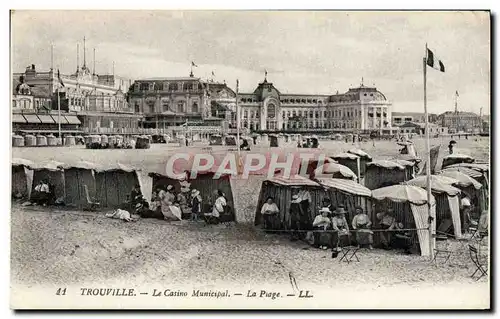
(150,131)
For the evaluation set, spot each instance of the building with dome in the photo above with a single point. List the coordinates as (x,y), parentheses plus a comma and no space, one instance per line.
(360,109)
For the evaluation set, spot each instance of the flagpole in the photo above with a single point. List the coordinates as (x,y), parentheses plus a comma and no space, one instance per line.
(59,114)
(428,152)
(237,119)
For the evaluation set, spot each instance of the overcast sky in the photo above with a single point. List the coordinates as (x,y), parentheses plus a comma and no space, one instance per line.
(303,52)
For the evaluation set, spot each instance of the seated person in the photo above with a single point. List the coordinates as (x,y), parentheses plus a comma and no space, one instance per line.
(340,238)
(401,239)
(41,194)
(244,145)
(362,224)
(270,213)
(386,222)
(213,217)
(135,195)
(322,222)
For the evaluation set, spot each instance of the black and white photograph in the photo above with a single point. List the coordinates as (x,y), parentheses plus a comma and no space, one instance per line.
(250,159)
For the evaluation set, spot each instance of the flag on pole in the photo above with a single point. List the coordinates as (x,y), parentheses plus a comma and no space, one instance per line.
(265,72)
(433,61)
(213,74)
(59,78)
(456,93)
(193,64)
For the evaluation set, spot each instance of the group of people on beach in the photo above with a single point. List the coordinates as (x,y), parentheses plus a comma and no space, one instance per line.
(187,204)
(330,228)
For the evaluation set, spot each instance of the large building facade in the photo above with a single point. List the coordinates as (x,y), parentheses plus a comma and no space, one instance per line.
(97,101)
(188,101)
(461,122)
(359,109)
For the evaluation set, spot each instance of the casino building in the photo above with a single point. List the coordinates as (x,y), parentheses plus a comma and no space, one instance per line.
(359,109)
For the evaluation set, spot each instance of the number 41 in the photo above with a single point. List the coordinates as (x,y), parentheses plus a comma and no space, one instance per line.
(61,292)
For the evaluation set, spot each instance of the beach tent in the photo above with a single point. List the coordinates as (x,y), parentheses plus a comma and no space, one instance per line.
(205,181)
(447,200)
(273,140)
(114,184)
(104,141)
(143,142)
(112,141)
(349,194)
(41,140)
(53,173)
(410,208)
(215,139)
(22,177)
(456,159)
(51,140)
(471,187)
(30,140)
(282,190)
(69,140)
(230,140)
(76,177)
(382,173)
(409,167)
(17,140)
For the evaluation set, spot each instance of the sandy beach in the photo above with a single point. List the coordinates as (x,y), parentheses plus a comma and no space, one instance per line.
(58,247)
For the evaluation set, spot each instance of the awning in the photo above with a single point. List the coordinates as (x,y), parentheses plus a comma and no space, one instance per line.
(46,119)
(18,118)
(50,131)
(72,119)
(32,118)
(63,119)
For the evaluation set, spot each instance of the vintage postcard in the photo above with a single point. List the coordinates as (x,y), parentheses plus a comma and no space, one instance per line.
(250,160)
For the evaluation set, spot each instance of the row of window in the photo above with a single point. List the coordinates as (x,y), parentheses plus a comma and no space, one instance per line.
(180,107)
(167,86)
(286,101)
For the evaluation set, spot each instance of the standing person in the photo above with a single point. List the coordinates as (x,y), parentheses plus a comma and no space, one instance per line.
(295,218)
(387,222)
(304,198)
(321,223)
(361,224)
(270,212)
(450,148)
(340,236)
(196,201)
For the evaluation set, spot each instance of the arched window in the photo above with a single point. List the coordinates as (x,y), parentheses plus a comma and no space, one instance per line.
(137,107)
(271,111)
(245,114)
(194,107)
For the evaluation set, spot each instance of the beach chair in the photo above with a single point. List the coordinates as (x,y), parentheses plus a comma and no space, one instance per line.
(442,252)
(91,204)
(348,253)
(481,267)
(472,225)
